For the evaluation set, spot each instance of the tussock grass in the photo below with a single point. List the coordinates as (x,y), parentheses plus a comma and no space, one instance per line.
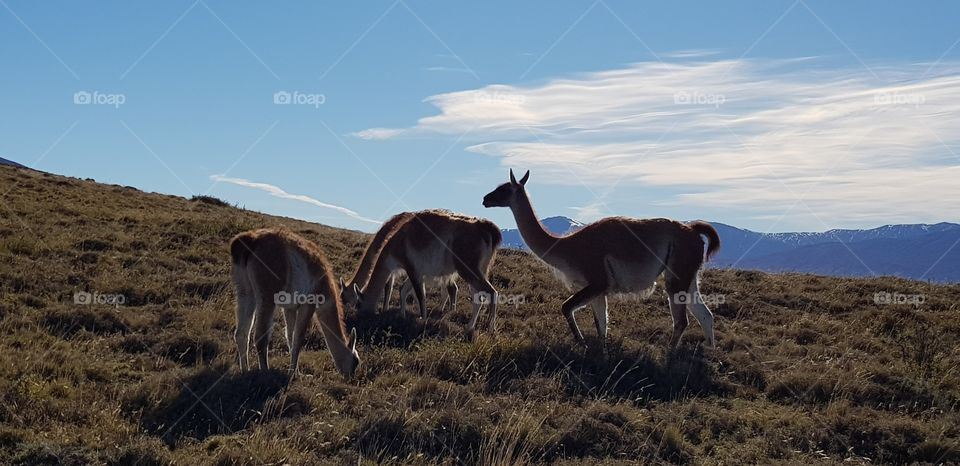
(809,369)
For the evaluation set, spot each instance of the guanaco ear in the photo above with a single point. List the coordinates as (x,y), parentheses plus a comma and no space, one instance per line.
(526,177)
(353,339)
(342,285)
(513,179)
(356,289)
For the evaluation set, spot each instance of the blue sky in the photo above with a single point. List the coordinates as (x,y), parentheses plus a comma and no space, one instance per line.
(774,116)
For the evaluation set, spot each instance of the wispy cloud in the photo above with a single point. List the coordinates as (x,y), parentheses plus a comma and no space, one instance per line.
(590,212)
(856,145)
(280,193)
(377,133)
(693,53)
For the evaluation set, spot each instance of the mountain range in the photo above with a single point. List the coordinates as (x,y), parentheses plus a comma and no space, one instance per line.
(917,251)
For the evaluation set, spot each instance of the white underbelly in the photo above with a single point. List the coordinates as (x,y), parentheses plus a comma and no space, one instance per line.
(623,278)
(632,277)
(569,276)
(440,280)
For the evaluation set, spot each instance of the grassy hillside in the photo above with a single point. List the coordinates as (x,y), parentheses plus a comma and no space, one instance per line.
(808,368)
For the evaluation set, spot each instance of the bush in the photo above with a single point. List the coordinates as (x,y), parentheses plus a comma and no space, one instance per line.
(209,200)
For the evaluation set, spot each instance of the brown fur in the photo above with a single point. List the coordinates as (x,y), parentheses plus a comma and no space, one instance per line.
(362,274)
(262,268)
(713,237)
(628,239)
(610,255)
(469,242)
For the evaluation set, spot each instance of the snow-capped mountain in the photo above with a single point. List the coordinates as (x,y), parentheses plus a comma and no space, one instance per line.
(849,236)
(742,246)
(934,257)
(918,251)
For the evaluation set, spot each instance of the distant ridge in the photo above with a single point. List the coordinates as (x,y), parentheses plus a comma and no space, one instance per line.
(918,251)
(11,163)
(933,257)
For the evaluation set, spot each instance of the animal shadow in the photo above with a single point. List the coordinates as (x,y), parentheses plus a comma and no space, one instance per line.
(609,371)
(219,400)
(399,329)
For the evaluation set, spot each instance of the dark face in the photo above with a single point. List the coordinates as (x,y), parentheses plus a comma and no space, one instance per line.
(501,196)
(349,295)
(504,194)
(350,370)
(365,305)
(349,367)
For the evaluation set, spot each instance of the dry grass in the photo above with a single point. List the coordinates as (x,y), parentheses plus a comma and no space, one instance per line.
(808,368)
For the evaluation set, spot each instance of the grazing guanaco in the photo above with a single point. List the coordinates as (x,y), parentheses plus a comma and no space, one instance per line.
(272,268)
(618,255)
(362,274)
(437,245)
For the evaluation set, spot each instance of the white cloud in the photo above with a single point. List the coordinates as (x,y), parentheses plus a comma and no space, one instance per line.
(280,193)
(858,145)
(377,133)
(589,213)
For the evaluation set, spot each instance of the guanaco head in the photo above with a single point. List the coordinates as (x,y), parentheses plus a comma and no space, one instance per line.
(352,360)
(366,305)
(506,193)
(349,294)
(352,297)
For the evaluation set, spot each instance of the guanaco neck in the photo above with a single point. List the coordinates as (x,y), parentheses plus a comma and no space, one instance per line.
(540,241)
(372,290)
(362,274)
(364,270)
